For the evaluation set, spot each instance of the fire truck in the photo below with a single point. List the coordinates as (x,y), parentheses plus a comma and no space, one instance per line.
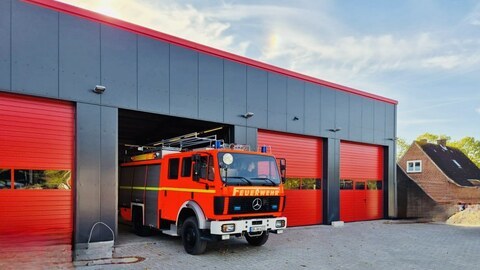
(202,195)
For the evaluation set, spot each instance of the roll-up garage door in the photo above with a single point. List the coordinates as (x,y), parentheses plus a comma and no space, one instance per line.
(36,174)
(361,182)
(304,171)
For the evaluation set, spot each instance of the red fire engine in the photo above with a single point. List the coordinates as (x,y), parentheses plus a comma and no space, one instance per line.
(204,195)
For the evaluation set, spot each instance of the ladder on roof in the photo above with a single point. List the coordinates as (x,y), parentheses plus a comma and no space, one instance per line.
(183,142)
(188,140)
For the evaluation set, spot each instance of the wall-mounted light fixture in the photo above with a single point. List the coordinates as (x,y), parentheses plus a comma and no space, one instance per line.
(248,115)
(335,129)
(392,139)
(99,89)
(295,118)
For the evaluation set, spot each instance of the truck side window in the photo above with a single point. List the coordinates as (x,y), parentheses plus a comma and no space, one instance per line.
(203,170)
(173,165)
(211,172)
(186,167)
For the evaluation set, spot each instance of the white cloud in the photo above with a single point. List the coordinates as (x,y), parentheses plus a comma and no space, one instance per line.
(474,17)
(477,110)
(172,18)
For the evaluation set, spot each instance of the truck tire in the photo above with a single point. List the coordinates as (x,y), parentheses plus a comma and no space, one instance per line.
(257,241)
(191,237)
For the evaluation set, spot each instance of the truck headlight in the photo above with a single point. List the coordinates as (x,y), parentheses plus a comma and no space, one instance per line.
(228,228)
(280,223)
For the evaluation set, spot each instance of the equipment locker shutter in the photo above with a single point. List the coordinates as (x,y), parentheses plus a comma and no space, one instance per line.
(304,170)
(37,151)
(361,181)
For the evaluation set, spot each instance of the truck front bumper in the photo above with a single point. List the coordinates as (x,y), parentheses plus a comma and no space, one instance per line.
(230,227)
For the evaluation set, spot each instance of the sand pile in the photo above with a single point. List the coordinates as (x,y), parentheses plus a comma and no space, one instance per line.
(467,217)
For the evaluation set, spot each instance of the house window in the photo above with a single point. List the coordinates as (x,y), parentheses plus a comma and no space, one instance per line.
(414,166)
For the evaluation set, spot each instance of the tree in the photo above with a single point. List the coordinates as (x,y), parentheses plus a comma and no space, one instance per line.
(432,138)
(402,147)
(470,147)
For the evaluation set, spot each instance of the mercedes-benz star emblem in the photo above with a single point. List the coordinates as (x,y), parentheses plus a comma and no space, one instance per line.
(257,204)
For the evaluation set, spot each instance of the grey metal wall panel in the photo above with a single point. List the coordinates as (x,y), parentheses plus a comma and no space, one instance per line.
(390,121)
(109,171)
(34,50)
(252,138)
(277,102)
(88,167)
(5,53)
(327,112)
(331,180)
(235,93)
(257,97)
(153,75)
(379,117)
(240,134)
(97,176)
(183,82)
(119,67)
(295,105)
(312,109)
(210,88)
(392,172)
(342,114)
(367,120)
(79,52)
(355,118)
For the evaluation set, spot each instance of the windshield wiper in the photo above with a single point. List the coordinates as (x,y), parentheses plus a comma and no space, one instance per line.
(264,178)
(242,178)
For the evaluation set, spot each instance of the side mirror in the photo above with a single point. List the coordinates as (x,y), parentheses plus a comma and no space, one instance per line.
(283,169)
(196,167)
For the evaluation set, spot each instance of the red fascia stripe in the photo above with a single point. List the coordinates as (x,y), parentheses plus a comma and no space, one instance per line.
(137,29)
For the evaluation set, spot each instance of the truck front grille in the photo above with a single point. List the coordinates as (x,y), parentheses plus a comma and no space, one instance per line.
(244,205)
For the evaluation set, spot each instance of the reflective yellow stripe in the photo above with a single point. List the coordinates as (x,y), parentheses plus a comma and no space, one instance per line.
(169,189)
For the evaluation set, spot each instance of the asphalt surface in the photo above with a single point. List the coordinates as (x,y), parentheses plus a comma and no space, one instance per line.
(360,245)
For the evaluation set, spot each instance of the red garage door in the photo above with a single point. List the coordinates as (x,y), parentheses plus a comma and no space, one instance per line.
(304,170)
(361,182)
(36,169)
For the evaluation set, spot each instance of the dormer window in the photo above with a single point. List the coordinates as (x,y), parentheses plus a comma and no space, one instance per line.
(414,166)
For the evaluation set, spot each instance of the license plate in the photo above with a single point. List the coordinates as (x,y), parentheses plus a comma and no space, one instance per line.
(258,228)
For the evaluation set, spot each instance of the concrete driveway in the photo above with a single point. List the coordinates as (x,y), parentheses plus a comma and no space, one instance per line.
(359,245)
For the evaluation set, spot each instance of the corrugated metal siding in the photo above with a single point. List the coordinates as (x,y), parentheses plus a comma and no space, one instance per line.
(303,154)
(304,160)
(360,162)
(36,134)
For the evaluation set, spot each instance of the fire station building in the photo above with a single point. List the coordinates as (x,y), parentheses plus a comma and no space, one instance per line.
(78,89)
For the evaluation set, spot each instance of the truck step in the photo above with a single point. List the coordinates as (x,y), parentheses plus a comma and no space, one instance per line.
(172,231)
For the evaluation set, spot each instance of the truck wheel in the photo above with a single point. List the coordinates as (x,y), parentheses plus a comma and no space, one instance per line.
(191,238)
(257,241)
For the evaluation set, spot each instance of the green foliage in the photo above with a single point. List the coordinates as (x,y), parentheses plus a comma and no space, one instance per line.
(402,147)
(470,147)
(432,138)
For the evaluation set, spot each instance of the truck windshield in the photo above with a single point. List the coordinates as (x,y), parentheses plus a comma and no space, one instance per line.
(249,170)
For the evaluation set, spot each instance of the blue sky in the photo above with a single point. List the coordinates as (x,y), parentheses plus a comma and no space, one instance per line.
(425,54)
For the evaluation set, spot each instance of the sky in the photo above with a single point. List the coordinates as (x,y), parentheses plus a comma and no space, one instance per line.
(423,53)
